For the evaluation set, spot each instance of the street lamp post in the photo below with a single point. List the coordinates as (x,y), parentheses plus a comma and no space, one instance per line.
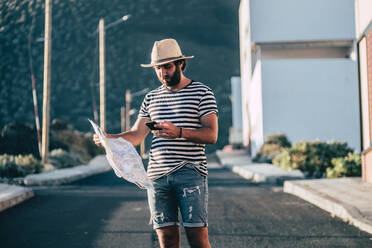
(46,92)
(102,88)
(102,76)
(128,110)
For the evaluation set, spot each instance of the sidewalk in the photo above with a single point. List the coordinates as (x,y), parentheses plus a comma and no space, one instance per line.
(347,198)
(97,165)
(240,162)
(11,195)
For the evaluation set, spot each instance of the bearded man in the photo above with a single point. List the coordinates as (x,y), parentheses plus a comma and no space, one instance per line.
(186,115)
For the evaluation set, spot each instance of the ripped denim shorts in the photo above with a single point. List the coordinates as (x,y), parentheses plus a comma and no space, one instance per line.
(185,189)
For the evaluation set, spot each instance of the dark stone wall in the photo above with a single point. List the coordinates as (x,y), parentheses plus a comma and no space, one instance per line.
(207,29)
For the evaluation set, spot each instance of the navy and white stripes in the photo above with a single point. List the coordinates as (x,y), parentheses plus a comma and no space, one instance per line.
(183,108)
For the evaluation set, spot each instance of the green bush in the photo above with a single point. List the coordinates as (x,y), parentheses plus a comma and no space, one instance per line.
(75,142)
(18,138)
(279,139)
(19,166)
(63,159)
(312,158)
(349,166)
(272,147)
(283,160)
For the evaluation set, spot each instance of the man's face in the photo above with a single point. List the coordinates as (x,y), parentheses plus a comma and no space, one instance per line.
(169,74)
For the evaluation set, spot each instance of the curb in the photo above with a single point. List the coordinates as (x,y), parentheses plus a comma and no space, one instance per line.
(344,211)
(97,165)
(234,157)
(266,173)
(11,195)
(240,163)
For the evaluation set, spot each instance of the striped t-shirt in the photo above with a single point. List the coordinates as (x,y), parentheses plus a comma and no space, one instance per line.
(183,108)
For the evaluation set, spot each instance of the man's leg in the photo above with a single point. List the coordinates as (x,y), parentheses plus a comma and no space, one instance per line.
(169,237)
(192,195)
(197,237)
(164,213)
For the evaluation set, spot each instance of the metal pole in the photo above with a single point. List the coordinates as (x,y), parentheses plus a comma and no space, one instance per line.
(102,94)
(95,111)
(127,108)
(37,120)
(36,114)
(142,149)
(47,72)
(122,118)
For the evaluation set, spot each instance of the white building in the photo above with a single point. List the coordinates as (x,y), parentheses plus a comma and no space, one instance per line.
(363,17)
(299,72)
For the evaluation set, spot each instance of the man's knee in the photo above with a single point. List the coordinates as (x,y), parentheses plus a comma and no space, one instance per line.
(169,236)
(197,236)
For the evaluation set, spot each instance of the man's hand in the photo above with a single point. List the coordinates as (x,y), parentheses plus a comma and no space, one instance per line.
(135,135)
(206,134)
(168,130)
(96,138)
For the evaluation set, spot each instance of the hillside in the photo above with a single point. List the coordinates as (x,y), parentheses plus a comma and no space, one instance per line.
(206,29)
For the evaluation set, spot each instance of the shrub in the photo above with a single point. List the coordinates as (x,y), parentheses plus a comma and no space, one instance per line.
(272,147)
(63,159)
(17,138)
(349,166)
(18,166)
(59,124)
(312,158)
(279,139)
(76,142)
(283,160)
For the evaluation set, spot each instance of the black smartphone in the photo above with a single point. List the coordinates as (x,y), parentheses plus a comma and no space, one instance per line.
(151,124)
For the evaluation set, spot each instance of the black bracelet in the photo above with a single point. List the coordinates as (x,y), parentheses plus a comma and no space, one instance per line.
(180,136)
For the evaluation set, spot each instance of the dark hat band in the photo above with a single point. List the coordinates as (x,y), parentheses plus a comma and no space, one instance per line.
(166,59)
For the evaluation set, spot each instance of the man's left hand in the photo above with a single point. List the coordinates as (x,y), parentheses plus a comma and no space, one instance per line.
(168,130)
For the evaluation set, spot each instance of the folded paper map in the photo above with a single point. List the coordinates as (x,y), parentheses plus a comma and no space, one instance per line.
(124,159)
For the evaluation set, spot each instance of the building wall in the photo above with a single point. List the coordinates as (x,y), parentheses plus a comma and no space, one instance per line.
(368,51)
(363,15)
(363,77)
(287,20)
(245,64)
(255,110)
(293,53)
(311,99)
(283,37)
(363,18)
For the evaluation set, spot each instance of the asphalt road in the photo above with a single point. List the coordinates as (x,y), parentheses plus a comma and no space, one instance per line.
(104,211)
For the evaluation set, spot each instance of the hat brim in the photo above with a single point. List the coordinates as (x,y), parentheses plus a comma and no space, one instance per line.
(166,61)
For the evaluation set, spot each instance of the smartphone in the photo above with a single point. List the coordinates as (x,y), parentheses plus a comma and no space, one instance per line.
(151,124)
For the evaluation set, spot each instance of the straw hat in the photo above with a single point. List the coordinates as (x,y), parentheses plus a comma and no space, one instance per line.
(165,51)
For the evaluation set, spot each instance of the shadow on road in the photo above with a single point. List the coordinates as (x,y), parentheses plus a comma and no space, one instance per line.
(100,211)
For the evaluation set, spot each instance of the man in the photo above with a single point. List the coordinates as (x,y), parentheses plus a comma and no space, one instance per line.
(186,114)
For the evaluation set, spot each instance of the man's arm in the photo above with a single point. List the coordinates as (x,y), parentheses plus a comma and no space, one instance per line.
(207,134)
(135,135)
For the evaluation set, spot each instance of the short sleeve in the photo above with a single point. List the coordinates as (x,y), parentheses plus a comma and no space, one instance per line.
(207,104)
(143,113)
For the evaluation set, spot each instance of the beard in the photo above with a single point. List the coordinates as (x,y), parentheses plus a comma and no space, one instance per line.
(174,79)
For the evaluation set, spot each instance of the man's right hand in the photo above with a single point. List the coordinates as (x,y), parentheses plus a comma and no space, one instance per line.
(96,140)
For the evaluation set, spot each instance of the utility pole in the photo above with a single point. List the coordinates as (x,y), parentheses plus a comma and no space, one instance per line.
(142,149)
(127,108)
(47,72)
(102,93)
(128,99)
(122,119)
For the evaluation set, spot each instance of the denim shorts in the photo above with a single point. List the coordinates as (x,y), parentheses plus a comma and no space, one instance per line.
(185,190)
